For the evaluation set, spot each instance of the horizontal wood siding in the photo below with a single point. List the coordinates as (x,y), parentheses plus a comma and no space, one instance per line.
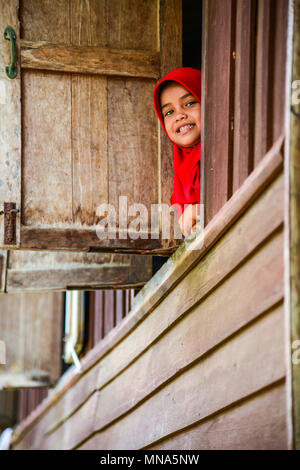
(211,352)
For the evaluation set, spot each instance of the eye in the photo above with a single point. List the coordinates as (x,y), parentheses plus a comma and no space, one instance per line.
(190,103)
(168,113)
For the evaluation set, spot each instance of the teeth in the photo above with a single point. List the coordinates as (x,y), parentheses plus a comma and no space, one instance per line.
(183,128)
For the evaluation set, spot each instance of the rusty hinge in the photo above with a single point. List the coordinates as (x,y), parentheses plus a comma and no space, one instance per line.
(10,215)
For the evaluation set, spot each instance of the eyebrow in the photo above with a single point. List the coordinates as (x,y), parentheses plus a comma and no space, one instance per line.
(181,98)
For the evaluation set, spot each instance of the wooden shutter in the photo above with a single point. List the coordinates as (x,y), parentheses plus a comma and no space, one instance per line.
(31,327)
(244,97)
(25,270)
(86,73)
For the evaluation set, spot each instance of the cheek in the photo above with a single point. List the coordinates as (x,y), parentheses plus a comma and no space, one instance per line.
(197,117)
(168,126)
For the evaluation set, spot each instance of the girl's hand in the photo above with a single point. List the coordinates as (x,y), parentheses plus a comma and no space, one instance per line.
(189,220)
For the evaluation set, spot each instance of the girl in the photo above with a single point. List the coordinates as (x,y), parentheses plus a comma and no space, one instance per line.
(177,99)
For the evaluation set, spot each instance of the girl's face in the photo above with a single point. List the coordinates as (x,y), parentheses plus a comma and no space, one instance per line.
(182,115)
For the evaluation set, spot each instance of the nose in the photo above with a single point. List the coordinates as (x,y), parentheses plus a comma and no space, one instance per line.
(180,115)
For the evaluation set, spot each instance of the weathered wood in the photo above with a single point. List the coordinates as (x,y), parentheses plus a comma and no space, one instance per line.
(3,269)
(130,173)
(263,80)
(38,271)
(82,155)
(244,96)
(47,156)
(87,240)
(189,398)
(280,49)
(194,345)
(93,60)
(10,109)
(257,423)
(218,96)
(238,244)
(293,238)
(31,328)
(170,275)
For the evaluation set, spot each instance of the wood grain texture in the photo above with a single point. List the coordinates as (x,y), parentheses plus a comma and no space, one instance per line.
(3,269)
(257,423)
(132,143)
(280,67)
(151,370)
(10,132)
(169,277)
(218,95)
(46,21)
(293,241)
(145,337)
(87,240)
(105,145)
(244,92)
(31,328)
(191,396)
(89,117)
(36,271)
(263,79)
(92,60)
(47,157)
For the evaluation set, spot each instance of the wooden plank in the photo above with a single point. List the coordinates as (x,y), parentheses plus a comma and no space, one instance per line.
(32,271)
(89,147)
(171,273)
(218,93)
(293,240)
(263,80)
(36,320)
(109,311)
(10,109)
(51,22)
(132,169)
(99,316)
(120,313)
(47,154)
(279,72)
(241,367)
(87,240)
(232,249)
(3,267)
(42,55)
(258,423)
(244,92)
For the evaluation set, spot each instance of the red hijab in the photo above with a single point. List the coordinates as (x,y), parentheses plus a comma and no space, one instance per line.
(186,160)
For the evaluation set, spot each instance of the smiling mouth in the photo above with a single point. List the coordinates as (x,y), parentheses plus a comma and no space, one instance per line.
(185,129)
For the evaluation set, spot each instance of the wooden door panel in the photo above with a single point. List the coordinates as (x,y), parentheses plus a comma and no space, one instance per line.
(89,131)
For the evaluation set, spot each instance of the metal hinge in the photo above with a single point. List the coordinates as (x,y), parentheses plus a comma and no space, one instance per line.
(10,216)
